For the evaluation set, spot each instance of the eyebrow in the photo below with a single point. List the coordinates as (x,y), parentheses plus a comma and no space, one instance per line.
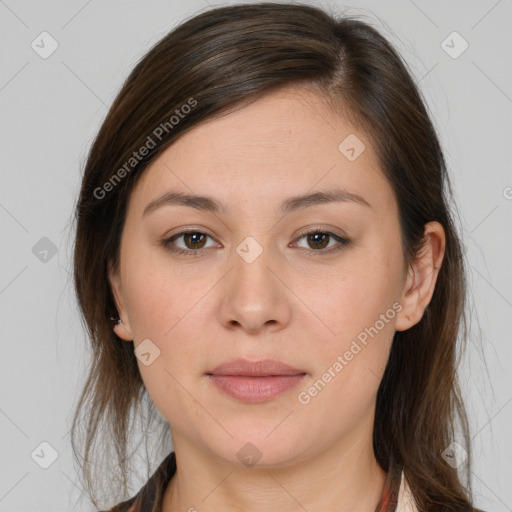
(292,204)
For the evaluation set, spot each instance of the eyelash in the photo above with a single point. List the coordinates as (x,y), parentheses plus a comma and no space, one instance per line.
(343,242)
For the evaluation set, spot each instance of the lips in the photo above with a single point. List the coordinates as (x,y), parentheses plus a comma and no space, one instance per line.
(263,368)
(255,381)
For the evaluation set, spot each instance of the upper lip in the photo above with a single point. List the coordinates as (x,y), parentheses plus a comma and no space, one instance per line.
(261,368)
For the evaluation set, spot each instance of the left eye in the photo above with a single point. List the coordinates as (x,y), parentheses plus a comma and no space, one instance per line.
(319,240)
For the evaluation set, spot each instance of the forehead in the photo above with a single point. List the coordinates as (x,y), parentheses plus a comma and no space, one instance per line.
(285,143)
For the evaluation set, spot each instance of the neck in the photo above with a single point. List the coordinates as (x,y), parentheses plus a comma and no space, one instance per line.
(339,478)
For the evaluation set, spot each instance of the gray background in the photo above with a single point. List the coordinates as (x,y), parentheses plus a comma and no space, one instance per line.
(50,109)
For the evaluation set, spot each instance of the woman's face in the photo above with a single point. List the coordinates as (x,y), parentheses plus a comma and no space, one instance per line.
(250,284)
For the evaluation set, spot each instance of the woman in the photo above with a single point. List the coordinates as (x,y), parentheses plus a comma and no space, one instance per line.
(265,255)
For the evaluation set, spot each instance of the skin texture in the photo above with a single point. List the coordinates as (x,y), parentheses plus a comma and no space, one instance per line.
(292,304)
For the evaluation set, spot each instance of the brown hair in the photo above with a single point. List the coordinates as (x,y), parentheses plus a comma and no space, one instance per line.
(215,62)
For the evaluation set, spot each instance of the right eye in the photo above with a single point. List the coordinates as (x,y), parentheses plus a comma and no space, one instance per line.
(193,242)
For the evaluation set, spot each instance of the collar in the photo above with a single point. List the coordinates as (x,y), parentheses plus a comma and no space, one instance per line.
(396,495)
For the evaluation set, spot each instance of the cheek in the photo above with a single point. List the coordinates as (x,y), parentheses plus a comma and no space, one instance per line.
(358,307)
(352,297)
(349,364)
(159,294)
(170,390)
(163,303)
(360,321)
(164,309)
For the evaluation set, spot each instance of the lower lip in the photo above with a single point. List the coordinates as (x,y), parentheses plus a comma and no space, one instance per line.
(255,389)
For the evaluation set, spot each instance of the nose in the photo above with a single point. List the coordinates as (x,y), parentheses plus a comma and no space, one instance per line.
(252,298)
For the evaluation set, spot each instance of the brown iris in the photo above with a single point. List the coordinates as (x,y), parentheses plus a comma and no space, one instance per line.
(197,240)
(318,240)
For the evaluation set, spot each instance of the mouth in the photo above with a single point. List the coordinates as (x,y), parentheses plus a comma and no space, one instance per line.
(255,382)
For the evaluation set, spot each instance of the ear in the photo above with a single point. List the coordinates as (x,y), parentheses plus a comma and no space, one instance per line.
(422,276)
(122,329)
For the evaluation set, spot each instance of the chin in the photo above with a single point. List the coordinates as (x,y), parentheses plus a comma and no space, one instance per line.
(256,448)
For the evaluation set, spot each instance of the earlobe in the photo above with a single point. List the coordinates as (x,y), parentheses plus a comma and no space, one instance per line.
(422,277)
(123,332)
(121,328)
(405,318)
